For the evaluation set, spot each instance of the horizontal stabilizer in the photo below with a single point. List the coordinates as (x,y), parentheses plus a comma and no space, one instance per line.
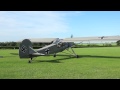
(34,53)
(38,54)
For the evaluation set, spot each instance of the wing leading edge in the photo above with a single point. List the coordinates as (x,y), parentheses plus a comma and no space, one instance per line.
(81,39)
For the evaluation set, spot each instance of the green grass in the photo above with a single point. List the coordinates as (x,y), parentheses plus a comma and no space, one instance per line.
(93,63)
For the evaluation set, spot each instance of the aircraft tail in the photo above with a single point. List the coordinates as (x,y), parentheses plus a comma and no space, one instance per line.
(26,49)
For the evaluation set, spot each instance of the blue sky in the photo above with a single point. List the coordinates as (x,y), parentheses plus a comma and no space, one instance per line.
(17,25)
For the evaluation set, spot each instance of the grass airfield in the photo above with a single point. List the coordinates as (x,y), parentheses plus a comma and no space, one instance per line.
(93,63)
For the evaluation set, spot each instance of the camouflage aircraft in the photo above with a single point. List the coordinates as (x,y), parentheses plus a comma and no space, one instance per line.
(58,45)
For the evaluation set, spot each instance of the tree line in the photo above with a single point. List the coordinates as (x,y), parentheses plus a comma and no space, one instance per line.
(38,45)
(11,45)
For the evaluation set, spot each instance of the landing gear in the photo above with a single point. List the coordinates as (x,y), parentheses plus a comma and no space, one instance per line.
(77,56)
(30,60)
(54,55)
(72,52)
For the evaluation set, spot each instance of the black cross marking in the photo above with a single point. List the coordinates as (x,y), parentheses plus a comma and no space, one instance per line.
(23,49)
(47,51)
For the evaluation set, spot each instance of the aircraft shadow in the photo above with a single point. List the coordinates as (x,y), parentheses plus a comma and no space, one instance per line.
(14,53)
(56,60)
(68,57)
(80,56)
(1,56)
(9,56)
(94,56)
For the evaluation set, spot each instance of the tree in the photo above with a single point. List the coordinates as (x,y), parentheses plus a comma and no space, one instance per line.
(118,43)
(13,44)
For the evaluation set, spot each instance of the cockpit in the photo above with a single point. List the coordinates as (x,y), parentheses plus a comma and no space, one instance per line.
(58,42)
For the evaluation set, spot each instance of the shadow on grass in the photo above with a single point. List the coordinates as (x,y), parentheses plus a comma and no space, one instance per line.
(9,55)
(68,57)
(90,56)
(1,56)
(14,53)
(56,60)
(80,56)
(94,56)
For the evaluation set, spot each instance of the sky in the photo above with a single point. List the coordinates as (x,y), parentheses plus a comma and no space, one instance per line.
(17,25)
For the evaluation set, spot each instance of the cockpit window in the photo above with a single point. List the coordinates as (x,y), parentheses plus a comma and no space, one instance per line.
(56,41)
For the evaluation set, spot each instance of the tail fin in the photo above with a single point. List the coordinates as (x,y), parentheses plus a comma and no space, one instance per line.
(25,49)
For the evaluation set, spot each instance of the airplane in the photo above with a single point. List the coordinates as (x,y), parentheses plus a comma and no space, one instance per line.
(102,37)
(57,45)
(26,50)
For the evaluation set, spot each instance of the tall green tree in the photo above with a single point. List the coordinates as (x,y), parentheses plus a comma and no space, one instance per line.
(118,42)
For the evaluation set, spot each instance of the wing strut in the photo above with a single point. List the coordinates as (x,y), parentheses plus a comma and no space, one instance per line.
(73,52)
(30,60)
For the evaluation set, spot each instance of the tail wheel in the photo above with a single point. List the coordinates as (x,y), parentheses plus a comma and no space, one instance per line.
(54,55)
(77,56)
(29,61)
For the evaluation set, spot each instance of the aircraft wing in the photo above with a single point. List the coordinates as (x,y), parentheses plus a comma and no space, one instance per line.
(41,40)
(97,38)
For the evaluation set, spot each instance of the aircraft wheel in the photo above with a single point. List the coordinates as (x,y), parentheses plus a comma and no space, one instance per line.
(54,55)
(29,61)
(77,56)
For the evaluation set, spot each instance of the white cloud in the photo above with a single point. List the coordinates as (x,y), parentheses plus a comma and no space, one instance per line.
(16,25)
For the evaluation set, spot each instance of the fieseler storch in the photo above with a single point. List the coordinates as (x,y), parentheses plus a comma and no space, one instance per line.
(58,45)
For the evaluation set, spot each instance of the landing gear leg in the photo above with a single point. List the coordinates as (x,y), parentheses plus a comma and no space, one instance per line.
(77,56)
(73,53)
(30,60)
